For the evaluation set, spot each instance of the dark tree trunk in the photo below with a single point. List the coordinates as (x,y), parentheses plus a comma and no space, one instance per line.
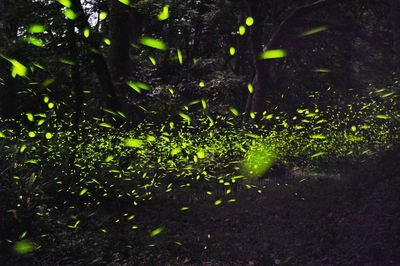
(75,76)
(395,16)
(262,82)
(99,62)
(120,27)
(8,84)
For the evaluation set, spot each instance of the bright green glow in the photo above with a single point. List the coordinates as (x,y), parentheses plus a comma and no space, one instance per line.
(232,51)
(153,43)
(176,151)
(103,15)
(204,103)
(250,88)
(17,69)
(34,41)
(133,143)
(179,53)
(249,21)
(318,154)
(164,14)
(200,154)
(323,70)
(23,247)
(83,191)
(107,41)
(317,137)
(36,28)
(185,117)
(134,86)
(242,30)
(314,31)
(382,116)
(152,60)
(217,202)
(272,54)
(32,134)
(156,231)
(66,3)
(86,32)
(234,111)
(258,160)
(69,13)
(67,61)
(30,117)
(2,135)
(125,2)
(48,135)
(202,84)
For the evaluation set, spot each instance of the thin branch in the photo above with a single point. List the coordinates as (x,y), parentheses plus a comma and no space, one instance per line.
(295,13)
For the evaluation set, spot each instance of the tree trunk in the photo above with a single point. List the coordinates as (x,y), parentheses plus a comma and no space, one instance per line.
(99,62)
(8,84)
(262,68)
(395,16)
(75,77)
(120,27)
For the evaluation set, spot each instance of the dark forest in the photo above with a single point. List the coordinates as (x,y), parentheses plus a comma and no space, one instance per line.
(199,132)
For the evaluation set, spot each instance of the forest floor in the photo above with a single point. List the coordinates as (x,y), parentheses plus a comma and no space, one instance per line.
(347,221)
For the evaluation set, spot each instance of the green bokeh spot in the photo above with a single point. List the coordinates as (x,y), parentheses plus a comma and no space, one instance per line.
(23,247)
(258,160)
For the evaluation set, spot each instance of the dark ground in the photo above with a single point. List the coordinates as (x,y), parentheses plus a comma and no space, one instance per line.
(351,221)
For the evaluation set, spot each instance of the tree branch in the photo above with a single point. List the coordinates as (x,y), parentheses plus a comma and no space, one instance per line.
(295,13)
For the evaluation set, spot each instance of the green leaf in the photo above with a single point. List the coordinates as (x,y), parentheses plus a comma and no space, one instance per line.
(153,43)
(272,54)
